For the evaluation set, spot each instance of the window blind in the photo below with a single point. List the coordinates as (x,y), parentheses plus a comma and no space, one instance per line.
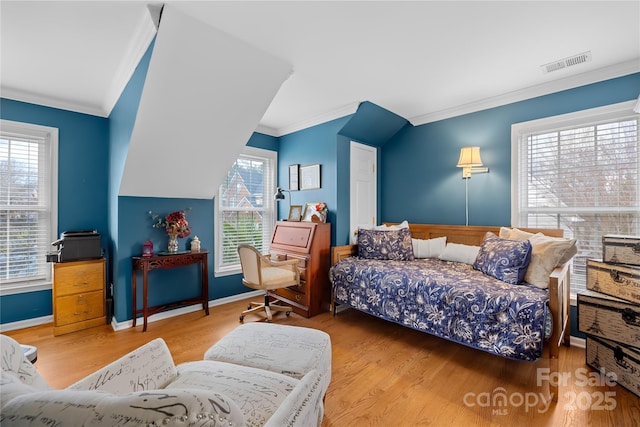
(245,207)
(583,179)
(25,207)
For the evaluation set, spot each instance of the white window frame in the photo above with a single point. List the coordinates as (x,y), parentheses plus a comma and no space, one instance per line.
(50,135)
(269,207)
(521,130)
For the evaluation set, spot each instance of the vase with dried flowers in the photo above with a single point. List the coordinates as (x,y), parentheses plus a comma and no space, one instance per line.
(176,226)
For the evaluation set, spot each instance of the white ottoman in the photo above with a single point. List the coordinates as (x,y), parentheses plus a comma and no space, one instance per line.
(288,350)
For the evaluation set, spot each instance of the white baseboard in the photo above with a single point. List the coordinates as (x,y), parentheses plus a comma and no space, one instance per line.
(119,326)
(21,324)
(577,342)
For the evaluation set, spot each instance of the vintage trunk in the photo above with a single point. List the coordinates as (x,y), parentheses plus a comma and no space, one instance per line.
(620,363)
(609,317)
(621,281)
(618,249)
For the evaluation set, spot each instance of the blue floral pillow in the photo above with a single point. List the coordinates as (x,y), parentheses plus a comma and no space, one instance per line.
(506,260)
(387,245)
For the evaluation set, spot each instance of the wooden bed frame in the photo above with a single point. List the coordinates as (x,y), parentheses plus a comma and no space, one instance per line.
(559,282)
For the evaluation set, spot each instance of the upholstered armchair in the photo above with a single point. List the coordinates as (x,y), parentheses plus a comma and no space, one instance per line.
(145,388)
(262,273)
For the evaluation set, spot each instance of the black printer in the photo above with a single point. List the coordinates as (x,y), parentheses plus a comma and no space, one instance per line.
(77,245)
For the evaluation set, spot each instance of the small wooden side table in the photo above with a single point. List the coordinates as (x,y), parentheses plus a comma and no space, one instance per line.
(146,264)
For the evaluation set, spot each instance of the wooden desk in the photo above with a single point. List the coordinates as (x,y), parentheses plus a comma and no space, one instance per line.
(146,264)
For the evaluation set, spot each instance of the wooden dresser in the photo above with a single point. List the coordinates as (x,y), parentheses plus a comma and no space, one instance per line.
(310,243)
(78,295)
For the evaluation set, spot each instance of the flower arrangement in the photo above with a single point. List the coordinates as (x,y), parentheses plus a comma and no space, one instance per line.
(175,224)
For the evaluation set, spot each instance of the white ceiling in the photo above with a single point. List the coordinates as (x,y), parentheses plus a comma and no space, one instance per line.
(423,60)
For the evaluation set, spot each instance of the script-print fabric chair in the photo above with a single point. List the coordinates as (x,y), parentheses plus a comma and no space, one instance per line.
(262,273)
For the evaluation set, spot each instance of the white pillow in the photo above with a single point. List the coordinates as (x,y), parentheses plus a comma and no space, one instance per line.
(460,253)
(546,254)
(430,248)
(385,227)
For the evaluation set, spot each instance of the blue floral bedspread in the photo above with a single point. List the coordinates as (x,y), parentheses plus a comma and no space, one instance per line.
(447,299)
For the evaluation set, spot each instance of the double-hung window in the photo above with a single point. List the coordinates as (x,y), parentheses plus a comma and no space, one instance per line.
(245,208)
(579,172)
(28,205)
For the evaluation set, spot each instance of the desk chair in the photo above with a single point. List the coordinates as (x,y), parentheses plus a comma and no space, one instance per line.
(260,272)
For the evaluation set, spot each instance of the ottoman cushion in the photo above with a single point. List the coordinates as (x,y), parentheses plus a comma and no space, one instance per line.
(257,392)
(289,350)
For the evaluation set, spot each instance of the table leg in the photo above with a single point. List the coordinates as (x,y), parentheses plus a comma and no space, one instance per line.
(205,285)
(145,305)
(134,294)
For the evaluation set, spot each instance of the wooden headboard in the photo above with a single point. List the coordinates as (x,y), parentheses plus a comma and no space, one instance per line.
(467,234)
(462,234)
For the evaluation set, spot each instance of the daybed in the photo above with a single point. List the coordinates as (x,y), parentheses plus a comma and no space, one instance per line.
(463,283)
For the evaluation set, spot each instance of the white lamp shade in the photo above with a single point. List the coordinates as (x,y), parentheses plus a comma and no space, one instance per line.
(469,157)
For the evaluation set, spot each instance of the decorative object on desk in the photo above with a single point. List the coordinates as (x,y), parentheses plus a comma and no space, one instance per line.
(147,249)
(195,244)
(176,226)
(321,212)
(295,213)
(310,177)
(315,209)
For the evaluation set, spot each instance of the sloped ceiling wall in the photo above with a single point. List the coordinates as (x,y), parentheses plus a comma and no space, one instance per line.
(204,95)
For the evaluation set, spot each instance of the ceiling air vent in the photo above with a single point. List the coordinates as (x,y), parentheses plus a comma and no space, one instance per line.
(566,62)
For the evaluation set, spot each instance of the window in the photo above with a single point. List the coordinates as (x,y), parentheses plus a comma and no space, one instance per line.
(28,205)
(245,209)
(579,172)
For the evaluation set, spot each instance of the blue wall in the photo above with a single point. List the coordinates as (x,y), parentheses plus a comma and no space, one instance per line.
(315,145)
(92,152)
(83,172)
(131,225)
(415,181)
(328,144)
(426,156)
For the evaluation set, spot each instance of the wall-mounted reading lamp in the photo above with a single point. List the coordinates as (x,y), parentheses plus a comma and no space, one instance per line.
(471,163)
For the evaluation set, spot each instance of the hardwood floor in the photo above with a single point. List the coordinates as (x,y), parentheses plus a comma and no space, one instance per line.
(383,374)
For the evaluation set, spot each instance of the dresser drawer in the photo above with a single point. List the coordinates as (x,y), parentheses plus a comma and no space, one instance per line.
(297,294)
(71,278)
(79,307)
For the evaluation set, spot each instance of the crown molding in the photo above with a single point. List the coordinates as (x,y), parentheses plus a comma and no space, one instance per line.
(566,83)
(145,32)
(52,102)
(141,40)
(337,113)
(267,130)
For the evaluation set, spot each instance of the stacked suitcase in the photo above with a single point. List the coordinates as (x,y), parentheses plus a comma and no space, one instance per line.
(609,311)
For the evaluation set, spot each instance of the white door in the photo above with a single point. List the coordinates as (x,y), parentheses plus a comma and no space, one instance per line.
(363,187)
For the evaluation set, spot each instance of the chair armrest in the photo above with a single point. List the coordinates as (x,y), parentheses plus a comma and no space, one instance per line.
(147,367)
(304,406)
(266,260)
(13,360)
(183,407)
